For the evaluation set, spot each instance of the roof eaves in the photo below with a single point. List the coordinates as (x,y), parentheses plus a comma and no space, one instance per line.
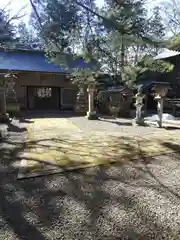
(166,54)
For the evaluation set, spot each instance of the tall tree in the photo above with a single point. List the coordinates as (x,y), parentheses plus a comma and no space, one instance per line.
(7,39)
(55,21)
(7,33)
(156,31)
(130,18)
(105,37)
(27,37)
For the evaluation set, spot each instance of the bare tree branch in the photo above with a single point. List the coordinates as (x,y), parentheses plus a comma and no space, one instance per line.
(117,27)
(36,13)
(5,7)
(172,15)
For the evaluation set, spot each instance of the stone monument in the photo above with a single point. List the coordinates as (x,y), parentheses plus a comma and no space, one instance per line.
(139,104)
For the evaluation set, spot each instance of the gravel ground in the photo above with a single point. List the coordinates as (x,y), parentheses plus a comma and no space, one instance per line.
(115,127)
(130,201)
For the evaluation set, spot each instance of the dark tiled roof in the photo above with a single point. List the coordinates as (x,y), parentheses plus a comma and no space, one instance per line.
(150,84)
(34,61)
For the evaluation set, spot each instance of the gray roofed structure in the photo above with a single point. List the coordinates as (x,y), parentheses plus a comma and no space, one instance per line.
(166,54)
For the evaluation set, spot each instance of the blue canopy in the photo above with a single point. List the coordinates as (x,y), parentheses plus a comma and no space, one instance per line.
(34,61)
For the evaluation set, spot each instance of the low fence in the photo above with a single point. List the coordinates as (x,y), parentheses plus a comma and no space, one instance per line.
(173,104)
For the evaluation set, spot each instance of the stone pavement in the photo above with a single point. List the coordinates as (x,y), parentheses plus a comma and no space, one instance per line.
(59,144)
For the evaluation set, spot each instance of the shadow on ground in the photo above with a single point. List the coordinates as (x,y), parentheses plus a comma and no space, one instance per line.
(105,202)
(14,128)
(66,152)
(28,115)
(173,146)
(116,122)
(25,120)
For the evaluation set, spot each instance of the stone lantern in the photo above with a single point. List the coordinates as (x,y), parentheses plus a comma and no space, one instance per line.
(81,101)
(3,115)
(91,114)
(160,90)
(139,104)
(11,100)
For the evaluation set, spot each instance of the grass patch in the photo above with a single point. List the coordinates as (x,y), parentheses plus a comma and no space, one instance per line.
(51,148)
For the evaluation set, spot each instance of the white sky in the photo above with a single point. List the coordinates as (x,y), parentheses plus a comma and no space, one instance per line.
(16,5)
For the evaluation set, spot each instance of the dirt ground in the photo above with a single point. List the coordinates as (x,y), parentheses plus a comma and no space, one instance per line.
(128,200)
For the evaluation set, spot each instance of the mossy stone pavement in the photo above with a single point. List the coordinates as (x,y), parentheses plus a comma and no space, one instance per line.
(57,144)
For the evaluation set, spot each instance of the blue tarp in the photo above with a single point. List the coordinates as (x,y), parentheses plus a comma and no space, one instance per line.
(33,61)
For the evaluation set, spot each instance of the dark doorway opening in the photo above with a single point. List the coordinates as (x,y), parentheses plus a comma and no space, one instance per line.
(42,98)
(151,103)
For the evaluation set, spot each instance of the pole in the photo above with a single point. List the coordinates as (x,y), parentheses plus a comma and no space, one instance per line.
(160,111)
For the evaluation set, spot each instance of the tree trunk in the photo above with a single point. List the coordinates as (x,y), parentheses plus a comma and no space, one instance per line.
(122,51)
(136,55)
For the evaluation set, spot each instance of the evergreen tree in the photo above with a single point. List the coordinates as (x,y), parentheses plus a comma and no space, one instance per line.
(27,38)
(7,32)
(56,23)
(7,39)
(105,37)
(174,42)
(156,29)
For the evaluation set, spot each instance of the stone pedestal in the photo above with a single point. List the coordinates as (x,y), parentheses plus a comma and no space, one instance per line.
(91,114)
(138,122)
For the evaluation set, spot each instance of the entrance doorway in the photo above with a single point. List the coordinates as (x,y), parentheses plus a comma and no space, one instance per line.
(42,98)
